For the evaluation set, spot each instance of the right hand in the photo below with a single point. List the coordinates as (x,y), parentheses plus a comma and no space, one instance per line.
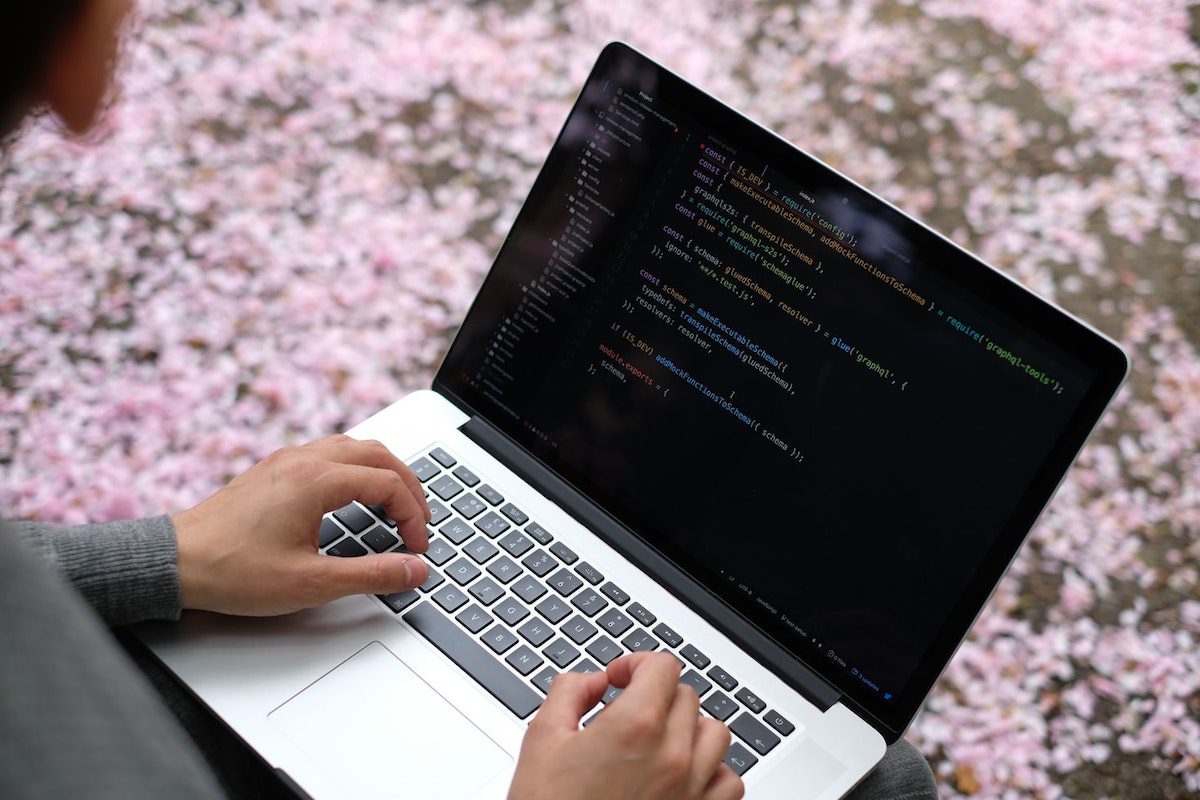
(651,742)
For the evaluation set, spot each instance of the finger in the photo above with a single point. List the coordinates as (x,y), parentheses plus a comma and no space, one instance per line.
(370,453)
(571,695)
(725,785)
(649,679)
(682,719)
(381,574)
(341,483)
(711,743)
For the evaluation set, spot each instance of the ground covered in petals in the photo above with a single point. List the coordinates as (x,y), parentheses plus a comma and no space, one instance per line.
(286,213)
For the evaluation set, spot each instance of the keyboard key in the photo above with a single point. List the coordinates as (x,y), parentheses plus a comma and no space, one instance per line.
(561,652)
(480,549)
(442,457)
(439,552)
(696,681)
(610,694)
(492,524)
(723,679)
(565,582)
(462,572)
(450,599)
(466,476)
(536,631)
(446,487)
(578,629)
(539,563)
(486,591)
(719,705)
(614,593)
(330,532)
(457,531)
(538,533)
(779,722)
(615,622)
(528,589)
(499,639)
(589,602)
(604,650)
(754,733)
(347,548)
(524,660)
(564,553)
(490,494)
(695,657)
(504,569)
(510,690)
(544,678)
(640,641)
(518,516)
(354,518)
(589,573)
(400,600)
(510,612)
(750,701)
(424,469)
(469,506)
(554,609)
(587,667)
(669,636)
(438,513)
(381,513)
(516,543)
(379,540)
(739,759)
(434,580)
(474,618)
(639,612)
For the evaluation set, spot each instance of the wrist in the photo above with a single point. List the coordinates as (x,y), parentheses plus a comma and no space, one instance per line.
(190,561)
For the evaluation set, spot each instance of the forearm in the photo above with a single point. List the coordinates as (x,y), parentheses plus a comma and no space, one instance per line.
(127,571)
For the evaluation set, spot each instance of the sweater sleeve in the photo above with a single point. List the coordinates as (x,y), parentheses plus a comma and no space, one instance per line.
(76,718)
(127,571)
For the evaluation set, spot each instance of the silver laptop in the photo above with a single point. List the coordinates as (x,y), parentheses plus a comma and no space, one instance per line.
(713,398)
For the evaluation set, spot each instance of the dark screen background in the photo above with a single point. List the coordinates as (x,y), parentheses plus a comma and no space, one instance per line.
(820,434)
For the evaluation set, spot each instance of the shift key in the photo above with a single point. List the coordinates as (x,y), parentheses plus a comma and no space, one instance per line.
(474,659)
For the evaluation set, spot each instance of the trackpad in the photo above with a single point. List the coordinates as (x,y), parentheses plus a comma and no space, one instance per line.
(381,731)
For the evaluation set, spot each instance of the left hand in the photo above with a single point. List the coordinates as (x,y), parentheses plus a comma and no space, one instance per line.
(251,548)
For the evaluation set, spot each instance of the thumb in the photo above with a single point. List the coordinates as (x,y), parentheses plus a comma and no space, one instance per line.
(571,696)
(378,574)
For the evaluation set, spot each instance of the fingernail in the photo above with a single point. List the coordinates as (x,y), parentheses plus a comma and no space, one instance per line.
(412,571)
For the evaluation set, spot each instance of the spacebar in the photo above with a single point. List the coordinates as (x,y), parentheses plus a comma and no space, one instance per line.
(470,655)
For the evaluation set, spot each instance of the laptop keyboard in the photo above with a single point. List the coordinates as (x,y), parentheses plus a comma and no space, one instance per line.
(514,607)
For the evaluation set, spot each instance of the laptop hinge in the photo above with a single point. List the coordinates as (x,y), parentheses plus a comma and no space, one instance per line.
(811,686)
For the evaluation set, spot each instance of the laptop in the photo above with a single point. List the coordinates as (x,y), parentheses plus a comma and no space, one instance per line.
(713,398)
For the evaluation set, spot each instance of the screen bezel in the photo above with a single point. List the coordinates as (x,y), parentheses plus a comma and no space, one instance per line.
(1096,351)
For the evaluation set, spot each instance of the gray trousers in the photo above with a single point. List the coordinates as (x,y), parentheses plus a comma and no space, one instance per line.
(902,775)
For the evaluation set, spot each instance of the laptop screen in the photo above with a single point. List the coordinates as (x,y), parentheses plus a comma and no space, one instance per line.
(834,419)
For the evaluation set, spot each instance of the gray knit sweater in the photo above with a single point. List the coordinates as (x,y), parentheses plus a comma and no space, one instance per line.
(76,718)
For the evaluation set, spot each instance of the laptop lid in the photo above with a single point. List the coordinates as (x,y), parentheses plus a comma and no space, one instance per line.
(836,421)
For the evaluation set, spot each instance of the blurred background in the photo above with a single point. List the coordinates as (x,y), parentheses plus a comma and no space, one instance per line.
(284,215)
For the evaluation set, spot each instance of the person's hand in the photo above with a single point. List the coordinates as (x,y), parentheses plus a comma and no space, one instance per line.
(651,742)
(251,548)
